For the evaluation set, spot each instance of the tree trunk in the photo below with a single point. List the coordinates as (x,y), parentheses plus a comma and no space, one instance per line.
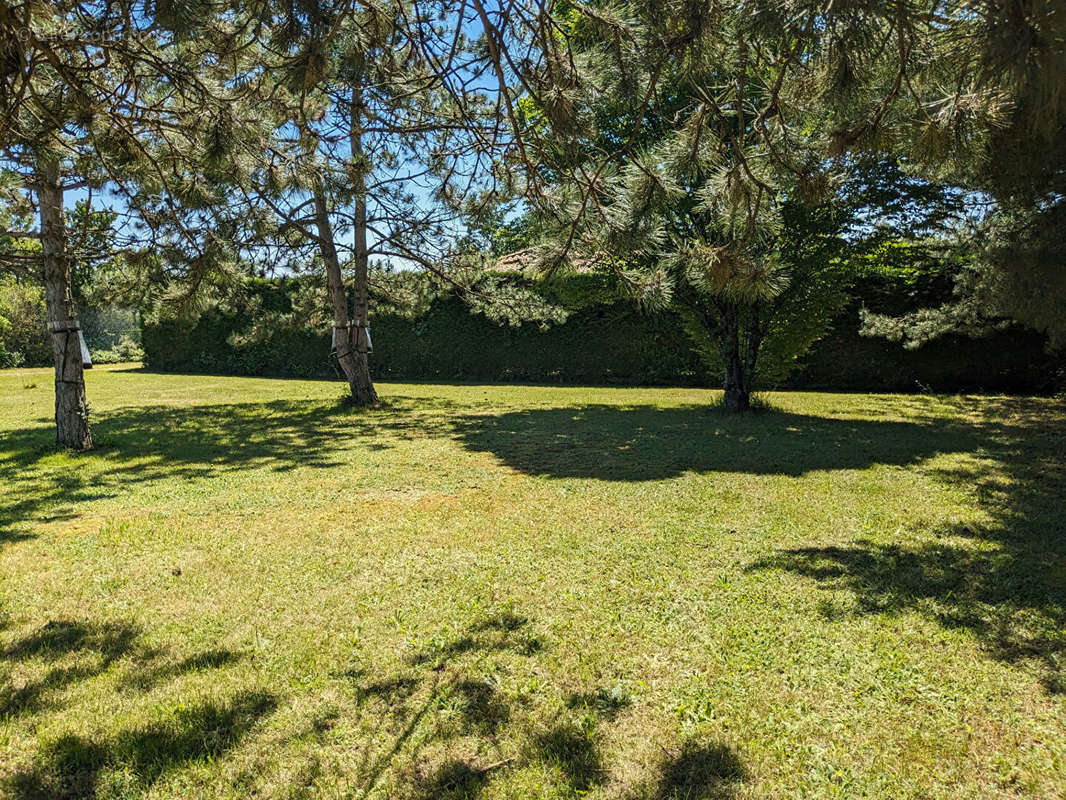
(740,350)
(352,362)
(72,409)
(737,386)
(365,396)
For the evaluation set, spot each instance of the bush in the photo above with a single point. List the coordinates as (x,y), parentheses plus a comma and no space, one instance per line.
(111,334)
(23,325)
(125,350)
(8,359)
(110,329)
(602,344)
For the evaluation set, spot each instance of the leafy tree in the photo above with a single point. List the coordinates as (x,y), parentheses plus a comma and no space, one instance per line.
(22,324)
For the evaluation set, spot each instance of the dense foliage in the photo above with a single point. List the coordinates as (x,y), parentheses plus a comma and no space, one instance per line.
(23,334)
(604,340)
(697,151)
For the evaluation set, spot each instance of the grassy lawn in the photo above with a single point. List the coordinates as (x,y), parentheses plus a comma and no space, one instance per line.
(515,591)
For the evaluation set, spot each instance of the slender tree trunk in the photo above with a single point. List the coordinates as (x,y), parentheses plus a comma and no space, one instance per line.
(355,368)
(366,395)
(72,409)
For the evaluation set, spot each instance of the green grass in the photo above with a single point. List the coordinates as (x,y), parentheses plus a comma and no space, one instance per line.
(516,591)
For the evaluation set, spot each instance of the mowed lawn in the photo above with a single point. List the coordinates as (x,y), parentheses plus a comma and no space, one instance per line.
(519,592)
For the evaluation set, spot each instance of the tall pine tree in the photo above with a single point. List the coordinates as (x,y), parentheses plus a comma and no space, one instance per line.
(688,168)
(378,140)
(114,95)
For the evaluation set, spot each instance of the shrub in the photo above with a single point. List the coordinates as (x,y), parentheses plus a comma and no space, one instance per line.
(23,325)
(111,334)
(108,328)
(126,349)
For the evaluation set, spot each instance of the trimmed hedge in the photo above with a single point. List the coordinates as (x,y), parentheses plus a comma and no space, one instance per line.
(605,343)
(602,344)
(1010,362)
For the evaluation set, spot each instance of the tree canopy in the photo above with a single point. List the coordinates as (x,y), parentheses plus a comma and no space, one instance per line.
(701,150)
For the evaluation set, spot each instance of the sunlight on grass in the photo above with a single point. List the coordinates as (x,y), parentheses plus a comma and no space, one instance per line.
(518,591)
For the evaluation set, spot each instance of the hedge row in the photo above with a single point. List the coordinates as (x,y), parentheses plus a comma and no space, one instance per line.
(604,344)
(608,343)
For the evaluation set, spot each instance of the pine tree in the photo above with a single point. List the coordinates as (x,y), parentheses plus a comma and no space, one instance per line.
(378,146)
(970,92)
(94,96)
(967,92)
(688,170)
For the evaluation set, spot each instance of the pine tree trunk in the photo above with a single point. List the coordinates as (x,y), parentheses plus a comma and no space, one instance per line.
(364,395)
(72,409)
(737,386)
(362,388)
(738,362)
(353,362)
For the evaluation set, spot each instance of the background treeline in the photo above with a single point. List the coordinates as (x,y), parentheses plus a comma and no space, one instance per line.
(604,340)
(111,334)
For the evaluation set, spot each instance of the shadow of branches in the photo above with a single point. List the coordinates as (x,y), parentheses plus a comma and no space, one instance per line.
(453,732)
(144,444)
(696,771)
(1003,579)
(63,654)
(132,760)
(444,696)
(606,442)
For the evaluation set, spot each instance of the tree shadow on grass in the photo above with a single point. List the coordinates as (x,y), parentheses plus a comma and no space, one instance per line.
(646,443)
(63,654)
(696,771)
(444,697)
(132,760)
(607,442)
(94,647)
(138,445)
(1002,579)
(447,731)
(1012,594)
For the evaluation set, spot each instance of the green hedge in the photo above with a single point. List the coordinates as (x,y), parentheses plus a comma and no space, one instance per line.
(1011,362)
(605,343)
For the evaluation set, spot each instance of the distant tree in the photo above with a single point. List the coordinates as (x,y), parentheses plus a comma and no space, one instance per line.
(23,337)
